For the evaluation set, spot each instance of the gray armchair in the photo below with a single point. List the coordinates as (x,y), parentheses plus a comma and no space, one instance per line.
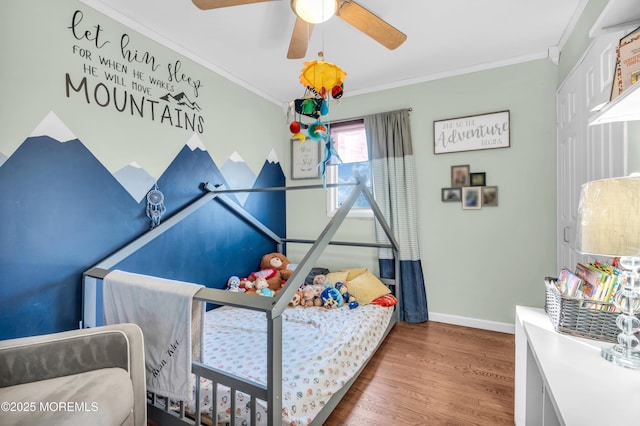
(90,376)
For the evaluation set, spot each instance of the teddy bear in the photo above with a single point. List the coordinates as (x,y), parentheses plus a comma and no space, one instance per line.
(278,261)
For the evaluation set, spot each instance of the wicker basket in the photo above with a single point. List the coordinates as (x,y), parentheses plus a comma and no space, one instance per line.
(580,317)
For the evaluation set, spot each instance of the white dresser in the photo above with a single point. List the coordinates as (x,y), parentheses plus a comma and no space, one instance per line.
(563,380)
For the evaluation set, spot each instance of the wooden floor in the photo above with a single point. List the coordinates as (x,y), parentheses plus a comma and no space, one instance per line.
(433,374)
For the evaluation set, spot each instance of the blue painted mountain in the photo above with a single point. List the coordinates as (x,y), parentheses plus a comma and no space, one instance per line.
(63,212)
(265,205)
(239,175)
(135,180)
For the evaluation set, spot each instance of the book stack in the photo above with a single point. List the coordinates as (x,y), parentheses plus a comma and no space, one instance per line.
(594,281)
(627,68)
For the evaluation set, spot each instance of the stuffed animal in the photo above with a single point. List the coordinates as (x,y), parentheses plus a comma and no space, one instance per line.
(310,296)
(331,298)
(247,285)
(262,287)
(348,299)
(233,284)
(278,261)
(296,299)
(270,275)
(322,280)
(317,288)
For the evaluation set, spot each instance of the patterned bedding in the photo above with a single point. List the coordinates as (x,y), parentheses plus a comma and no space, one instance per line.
(322,350)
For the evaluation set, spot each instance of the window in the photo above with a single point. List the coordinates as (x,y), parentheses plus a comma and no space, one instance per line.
(350,142)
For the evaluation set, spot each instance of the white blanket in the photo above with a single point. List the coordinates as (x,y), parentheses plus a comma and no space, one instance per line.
(163,310)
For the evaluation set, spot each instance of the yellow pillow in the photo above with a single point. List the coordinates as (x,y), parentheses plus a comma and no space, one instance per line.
(366,287)
(337,277)
(352,273)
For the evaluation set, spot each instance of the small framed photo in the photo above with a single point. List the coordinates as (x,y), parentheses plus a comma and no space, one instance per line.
(451,194)
(478,179)
(471,197)
(305,157)
(490,196)
(460,176)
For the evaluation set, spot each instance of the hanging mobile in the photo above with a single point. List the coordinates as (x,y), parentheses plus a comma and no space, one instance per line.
(155,206)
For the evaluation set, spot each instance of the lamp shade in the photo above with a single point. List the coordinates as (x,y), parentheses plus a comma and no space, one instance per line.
(609,217)
(314,11)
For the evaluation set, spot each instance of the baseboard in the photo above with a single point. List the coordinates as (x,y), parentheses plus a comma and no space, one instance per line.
(502,327)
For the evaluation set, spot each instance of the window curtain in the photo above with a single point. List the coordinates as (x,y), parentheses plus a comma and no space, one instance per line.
(394,188)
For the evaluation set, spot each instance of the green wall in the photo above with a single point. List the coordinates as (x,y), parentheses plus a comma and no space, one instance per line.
(37,51)
(478,263)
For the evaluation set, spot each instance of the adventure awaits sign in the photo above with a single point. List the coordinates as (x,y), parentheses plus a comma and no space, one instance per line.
(471,133)
(115,74)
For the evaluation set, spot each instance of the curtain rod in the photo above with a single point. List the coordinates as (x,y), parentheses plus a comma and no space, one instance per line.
(346,120)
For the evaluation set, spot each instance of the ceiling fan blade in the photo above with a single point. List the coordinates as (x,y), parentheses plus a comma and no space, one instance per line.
(376,28)
(217,4)
(299,39)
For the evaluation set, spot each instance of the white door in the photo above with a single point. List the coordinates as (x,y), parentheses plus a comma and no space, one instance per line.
(585,153)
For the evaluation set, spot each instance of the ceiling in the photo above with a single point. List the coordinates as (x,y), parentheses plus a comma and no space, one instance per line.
(248,44)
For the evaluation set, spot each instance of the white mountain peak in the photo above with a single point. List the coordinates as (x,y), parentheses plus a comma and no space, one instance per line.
(273,157)
(195,142)
(53,127)
(236,158)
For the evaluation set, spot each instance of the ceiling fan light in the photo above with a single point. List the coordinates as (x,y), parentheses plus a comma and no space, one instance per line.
(314,11)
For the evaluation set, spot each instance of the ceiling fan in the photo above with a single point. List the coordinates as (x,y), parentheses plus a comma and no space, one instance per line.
(348,10)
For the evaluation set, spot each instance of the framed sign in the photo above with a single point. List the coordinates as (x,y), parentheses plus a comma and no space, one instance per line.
(305,158)
(472,133)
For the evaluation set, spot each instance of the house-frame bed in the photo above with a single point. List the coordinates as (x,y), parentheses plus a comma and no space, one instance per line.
(160,410)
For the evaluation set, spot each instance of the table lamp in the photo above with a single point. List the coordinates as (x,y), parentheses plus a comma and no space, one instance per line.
(609,225)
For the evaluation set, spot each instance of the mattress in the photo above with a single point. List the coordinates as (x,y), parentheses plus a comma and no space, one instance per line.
(322,350)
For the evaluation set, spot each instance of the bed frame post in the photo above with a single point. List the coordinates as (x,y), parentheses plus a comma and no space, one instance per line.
(274,374)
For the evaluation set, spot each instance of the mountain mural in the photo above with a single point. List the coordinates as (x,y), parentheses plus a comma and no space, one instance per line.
(3,158)
(182,100)
(63,212)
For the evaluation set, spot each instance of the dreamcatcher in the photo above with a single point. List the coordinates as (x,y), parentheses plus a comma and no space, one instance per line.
(155,206)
